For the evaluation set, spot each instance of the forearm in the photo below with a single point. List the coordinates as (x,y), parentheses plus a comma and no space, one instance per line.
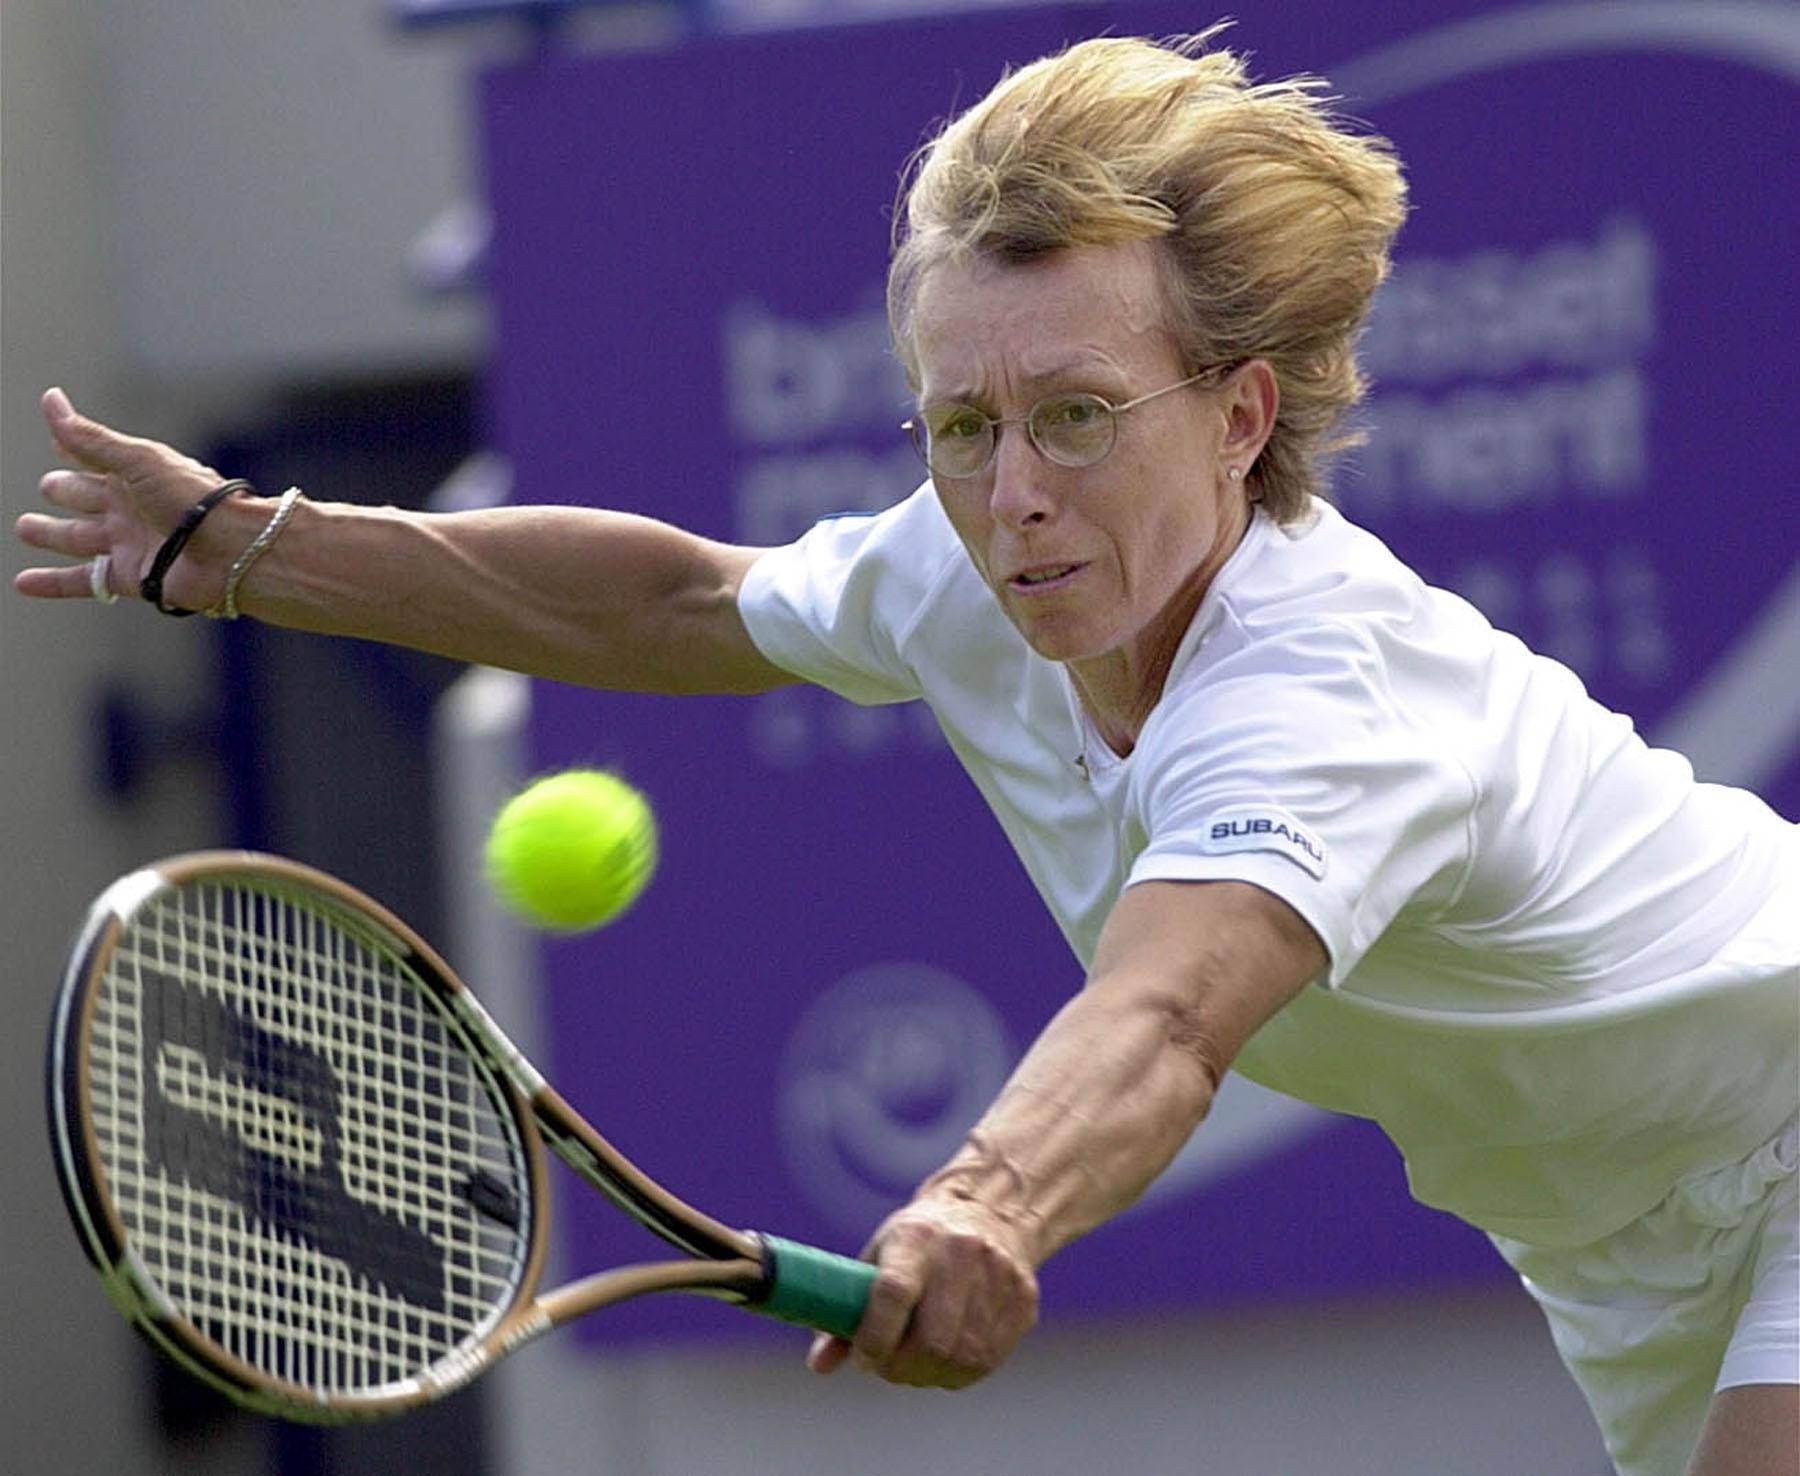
(575,594)
(1183,976)
(597,598)
(1100,1104)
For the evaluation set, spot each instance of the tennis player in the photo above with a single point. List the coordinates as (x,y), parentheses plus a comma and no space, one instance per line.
(1298,813)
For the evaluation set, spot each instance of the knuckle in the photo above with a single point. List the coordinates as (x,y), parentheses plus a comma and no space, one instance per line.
(893,1287)
(938,1348)
(967,1240)
(1025,1291)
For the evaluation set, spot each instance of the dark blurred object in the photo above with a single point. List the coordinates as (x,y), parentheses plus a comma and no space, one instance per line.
(134,738)
(325,750)
(321,750)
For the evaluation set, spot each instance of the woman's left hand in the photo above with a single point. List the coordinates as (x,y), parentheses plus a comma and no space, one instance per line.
(954,1293)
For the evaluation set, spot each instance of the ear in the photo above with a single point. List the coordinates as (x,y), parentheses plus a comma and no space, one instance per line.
(1250,398)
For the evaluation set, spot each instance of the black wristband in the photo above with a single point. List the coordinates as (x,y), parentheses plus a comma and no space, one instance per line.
(151,586)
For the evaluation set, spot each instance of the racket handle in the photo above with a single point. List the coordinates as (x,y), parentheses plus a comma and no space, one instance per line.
(813,1287)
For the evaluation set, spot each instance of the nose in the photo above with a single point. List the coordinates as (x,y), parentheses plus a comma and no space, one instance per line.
(1021,493)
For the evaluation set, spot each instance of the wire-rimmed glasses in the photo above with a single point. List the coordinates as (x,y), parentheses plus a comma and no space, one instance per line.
(1072,430)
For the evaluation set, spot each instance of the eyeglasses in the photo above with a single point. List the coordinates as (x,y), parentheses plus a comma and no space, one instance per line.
(1070,430)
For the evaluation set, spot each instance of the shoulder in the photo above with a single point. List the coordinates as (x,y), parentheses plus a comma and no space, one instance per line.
(860,601)
(1324,569)
(1313,615)
(1321,661)
(901,553)
(1325,611)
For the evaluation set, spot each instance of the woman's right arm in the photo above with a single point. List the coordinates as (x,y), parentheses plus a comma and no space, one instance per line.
(601,599)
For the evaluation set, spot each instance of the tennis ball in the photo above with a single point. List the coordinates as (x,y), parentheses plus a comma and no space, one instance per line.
(573,850)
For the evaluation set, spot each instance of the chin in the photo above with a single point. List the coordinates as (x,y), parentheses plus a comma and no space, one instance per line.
(1059,640)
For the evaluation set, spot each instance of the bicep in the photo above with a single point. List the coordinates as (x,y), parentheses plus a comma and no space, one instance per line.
(1221,957)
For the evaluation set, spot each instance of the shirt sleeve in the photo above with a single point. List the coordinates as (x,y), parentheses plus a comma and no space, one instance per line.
(1311,781)
(835,606)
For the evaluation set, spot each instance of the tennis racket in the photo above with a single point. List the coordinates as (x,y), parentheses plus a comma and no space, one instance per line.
(309,1166)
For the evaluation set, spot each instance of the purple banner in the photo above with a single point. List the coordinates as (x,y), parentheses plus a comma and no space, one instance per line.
(1583,420)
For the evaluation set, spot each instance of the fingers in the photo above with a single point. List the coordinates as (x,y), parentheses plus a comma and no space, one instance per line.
(76,538)
(125,496)
(83,536)
(976,1304)
(67,583)
(827,1354)
(87,442)
(77,491)
(952,1297)
(893,1296)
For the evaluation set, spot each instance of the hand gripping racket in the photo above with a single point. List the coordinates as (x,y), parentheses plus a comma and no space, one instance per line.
(309,1166)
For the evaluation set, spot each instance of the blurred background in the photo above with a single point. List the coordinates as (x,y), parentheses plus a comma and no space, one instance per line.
(445,254)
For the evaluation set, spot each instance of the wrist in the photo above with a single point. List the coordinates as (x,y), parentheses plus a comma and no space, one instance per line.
(227,608)
(244,546)
(175,545)
(195,580)
(983,1181)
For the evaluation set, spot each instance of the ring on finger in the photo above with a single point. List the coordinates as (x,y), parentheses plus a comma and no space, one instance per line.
(100,580)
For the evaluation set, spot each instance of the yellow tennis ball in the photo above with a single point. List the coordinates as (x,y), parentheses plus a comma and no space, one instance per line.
(573,850)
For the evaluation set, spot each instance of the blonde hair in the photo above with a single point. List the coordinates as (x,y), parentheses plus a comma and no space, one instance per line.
(1277,220)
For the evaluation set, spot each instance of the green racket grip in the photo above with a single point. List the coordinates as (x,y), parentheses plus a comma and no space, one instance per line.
(812,1287)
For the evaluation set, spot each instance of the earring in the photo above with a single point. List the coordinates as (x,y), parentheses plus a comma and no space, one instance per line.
(1234,473)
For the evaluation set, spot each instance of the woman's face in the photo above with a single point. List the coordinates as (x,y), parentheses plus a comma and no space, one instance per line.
(1091,563)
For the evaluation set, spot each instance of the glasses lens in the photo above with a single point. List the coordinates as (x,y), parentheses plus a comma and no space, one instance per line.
(958,440)
(1073,430)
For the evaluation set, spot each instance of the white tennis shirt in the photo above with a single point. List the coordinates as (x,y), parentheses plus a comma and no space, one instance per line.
(1563,973)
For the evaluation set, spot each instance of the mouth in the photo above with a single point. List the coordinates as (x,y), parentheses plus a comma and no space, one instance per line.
(1043,578)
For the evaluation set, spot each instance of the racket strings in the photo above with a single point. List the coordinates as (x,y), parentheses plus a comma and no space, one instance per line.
(289,1131)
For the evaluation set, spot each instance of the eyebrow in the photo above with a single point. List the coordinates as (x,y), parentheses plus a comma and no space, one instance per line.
(1068,369)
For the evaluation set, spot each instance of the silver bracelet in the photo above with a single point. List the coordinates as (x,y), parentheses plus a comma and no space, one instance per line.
(227,608)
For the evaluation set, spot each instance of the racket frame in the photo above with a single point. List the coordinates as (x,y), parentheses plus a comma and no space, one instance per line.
(737,1266)
(81,1172)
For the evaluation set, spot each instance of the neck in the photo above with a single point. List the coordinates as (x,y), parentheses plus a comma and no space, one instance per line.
(1121,688)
